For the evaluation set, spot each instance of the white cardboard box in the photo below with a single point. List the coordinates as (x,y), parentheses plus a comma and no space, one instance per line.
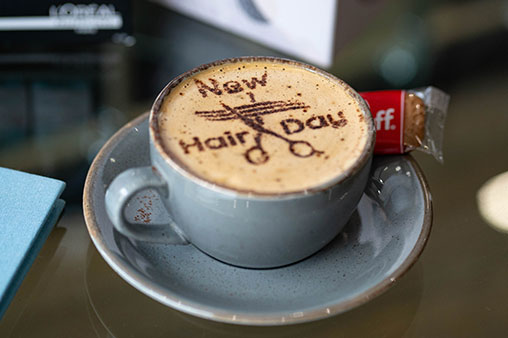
(313,30)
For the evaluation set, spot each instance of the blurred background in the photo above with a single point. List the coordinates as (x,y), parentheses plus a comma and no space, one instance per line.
(72,73)
(63,93)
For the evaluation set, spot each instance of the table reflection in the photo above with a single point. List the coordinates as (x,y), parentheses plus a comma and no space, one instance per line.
(116,310)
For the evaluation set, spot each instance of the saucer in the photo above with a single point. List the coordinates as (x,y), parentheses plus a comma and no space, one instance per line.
(382,240)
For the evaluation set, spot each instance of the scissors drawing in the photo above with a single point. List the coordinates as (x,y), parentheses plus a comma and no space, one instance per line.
(252,116)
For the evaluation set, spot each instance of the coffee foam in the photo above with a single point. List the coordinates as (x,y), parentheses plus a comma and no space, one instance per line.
(263,127)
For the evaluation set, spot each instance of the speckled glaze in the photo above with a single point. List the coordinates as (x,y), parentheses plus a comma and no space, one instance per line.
(239,227)
(381,241)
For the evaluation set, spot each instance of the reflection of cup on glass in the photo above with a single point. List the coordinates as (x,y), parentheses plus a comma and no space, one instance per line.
(259,161)
(389,315)
(107,295)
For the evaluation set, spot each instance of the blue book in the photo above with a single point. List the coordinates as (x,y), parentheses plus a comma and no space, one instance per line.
(29,207)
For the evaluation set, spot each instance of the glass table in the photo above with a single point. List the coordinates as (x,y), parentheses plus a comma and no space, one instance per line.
(61,113)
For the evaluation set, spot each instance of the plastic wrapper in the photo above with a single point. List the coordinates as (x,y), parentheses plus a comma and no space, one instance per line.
(407,120)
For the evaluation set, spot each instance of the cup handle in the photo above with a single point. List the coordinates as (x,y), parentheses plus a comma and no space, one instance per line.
(121,190)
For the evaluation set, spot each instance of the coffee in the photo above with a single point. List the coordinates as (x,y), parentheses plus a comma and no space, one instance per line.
(263,126)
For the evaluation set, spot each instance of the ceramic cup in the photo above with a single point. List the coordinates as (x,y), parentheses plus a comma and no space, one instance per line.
(243,229)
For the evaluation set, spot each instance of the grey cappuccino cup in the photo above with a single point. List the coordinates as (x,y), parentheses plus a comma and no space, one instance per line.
(243,229)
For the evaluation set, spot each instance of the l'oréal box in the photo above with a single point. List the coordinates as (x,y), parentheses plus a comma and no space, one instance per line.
(52,22)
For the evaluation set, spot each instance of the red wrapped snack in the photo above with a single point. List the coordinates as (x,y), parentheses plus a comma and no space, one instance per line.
(406,120)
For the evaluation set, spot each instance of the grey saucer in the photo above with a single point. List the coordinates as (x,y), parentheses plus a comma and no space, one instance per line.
(382,240)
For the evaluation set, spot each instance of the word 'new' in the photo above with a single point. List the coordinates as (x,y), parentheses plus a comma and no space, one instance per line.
(230,87)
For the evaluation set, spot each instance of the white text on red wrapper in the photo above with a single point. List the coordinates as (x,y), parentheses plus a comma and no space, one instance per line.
(383,119)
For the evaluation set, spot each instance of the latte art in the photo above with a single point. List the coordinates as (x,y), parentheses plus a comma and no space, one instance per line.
(264,127)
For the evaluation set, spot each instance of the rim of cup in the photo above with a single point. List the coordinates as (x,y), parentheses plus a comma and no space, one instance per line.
(237,193)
